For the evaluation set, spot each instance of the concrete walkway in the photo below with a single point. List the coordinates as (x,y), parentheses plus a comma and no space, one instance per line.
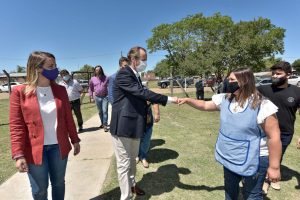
(85,173)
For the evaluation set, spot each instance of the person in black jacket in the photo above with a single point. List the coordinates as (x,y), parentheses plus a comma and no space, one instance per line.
(128,121)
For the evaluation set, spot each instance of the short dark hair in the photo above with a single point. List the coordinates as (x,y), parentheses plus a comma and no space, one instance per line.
(64,71)
(134,52)
(122,59)
(283,65)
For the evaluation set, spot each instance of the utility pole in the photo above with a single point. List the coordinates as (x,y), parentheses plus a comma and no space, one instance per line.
(171,81)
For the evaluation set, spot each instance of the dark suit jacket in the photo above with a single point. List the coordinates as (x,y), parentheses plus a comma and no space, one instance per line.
(129,108)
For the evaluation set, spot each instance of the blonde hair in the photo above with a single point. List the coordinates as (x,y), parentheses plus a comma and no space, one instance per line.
(35,61)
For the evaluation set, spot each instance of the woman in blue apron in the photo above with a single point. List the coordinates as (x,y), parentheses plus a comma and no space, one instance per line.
(248,144)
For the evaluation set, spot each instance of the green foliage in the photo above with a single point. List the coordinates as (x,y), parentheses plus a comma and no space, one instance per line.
(86,72)
(269,62)
(20,69)
(162,69)
(198,44)
(296,65)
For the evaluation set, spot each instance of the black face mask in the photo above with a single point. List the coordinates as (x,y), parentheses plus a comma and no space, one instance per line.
(278,81)
(233,87)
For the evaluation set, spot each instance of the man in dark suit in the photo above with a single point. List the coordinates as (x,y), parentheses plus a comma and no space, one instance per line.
(128,121)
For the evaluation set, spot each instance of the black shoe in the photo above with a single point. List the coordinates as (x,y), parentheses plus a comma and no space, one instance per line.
(138,191)
(80,130)
(101,126)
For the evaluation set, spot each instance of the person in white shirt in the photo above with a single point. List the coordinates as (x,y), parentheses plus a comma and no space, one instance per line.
(74,90)
(248,144)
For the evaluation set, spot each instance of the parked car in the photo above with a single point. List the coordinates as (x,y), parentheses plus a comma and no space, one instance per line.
(83,83)
(145,83)
(210,82)
(4,87)
(263,81)
(294,80)
(166,82)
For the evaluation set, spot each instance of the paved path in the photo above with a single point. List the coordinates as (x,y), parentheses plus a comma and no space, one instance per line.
(85,172)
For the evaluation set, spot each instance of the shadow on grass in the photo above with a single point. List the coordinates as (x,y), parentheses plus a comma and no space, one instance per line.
(90,129)
(156,142)
(4,124)
(161,155)
(164,180)
(114,194)
(287,174)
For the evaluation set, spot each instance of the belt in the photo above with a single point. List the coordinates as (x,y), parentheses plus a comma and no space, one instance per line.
(74,101)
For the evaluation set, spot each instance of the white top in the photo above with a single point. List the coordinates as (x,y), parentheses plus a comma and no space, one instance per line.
(49,114)
(267,108)
(73,89)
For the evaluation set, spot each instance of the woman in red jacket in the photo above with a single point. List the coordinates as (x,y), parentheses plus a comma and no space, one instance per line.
(41,124)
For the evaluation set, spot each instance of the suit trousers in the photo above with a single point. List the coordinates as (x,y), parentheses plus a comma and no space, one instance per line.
(126,150)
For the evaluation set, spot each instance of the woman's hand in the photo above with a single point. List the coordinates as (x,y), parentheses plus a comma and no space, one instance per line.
(21,165)
(76,148)
(273,174)
(156,118)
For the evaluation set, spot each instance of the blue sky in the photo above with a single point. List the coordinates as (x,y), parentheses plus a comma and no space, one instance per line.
(95,32)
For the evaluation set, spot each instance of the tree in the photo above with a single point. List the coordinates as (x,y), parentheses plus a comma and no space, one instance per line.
(85,71)
(296,65)
(162,69)
(198,44)
(269,62)
(20,69)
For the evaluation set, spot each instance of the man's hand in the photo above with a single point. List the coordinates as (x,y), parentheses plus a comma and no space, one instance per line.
(182,101)
(21,165)
(298,143)
(76,148)
(273,174)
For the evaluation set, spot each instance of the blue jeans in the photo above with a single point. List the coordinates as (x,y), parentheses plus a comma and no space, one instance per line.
(102,105)
(252,186)
(53,166)
(286,139)
(145,143)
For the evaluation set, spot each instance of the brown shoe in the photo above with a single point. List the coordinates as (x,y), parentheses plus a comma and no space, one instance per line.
(145,163)
(138,191)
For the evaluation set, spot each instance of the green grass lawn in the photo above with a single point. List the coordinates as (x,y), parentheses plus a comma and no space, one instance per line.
(182,163)
(7,165)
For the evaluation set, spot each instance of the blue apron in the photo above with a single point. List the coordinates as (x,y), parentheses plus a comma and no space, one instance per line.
(238,143)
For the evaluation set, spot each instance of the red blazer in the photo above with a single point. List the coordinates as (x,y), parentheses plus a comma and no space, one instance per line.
(26,125)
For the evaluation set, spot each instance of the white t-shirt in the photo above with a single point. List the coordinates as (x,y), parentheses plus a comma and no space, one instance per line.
(267,108)
(73,89)
(48,112)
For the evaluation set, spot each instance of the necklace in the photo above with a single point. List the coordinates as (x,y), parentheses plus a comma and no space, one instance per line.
(43,91)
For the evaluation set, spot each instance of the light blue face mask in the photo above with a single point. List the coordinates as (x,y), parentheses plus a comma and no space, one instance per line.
(66,78)
(142,66)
